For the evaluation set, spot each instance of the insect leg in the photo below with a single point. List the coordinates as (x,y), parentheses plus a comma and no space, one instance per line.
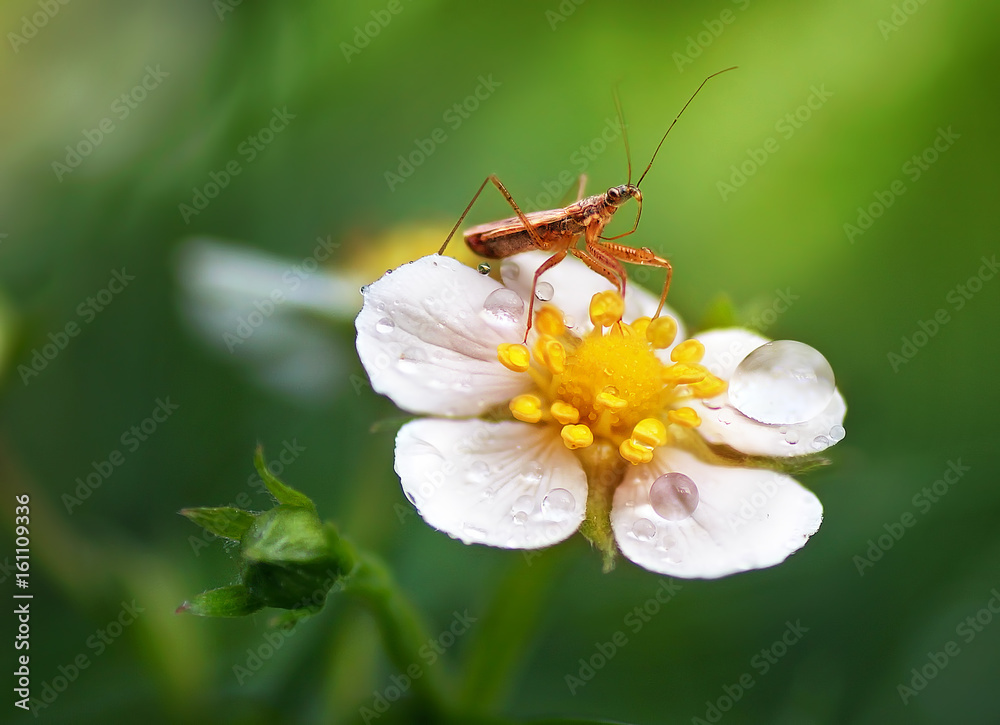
(546,265)
(510,200)
(643,257)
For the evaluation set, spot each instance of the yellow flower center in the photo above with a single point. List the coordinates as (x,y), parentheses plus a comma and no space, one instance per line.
(610,384)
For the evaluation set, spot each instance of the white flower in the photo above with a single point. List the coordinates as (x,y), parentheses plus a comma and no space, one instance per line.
(595,424)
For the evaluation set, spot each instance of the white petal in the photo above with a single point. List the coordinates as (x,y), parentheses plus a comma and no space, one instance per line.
(721,423)
(509,484)
(425,341)
(573,285)
(746,519)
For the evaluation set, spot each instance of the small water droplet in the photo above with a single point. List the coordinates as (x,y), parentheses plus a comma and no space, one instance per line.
(503,307)
(509,270)
(783,429)
(385,326)
(532,472)
(523,505)
(569,322)
(474,532)
(478,471)
(364,289)
(726,416)
(520,517)
(544,292)
(713,403)
(484,268)
(837,433)
(821,442)
(644,529)
(380,307)
(792,437)
(558,504)
(411,497)
(783,381)
(674,496)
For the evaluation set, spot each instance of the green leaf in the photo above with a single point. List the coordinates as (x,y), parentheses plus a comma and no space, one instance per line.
(232,601)
(225,521)
(284,493)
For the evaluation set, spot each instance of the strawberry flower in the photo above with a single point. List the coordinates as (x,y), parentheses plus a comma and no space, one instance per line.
(605,421)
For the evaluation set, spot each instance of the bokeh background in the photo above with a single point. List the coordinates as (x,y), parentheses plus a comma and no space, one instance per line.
(886,80)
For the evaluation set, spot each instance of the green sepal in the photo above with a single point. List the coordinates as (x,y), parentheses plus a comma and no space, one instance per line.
(232,601)
(282,492)
(225,521)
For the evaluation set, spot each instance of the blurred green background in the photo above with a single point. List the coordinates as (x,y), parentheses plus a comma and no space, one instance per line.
(885,80)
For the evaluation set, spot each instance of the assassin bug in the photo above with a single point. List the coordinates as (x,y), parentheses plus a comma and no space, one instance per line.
(559,230)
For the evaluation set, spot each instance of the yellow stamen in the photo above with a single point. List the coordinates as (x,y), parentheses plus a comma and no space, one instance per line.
(650,432)
(549,321)
(564,413)
(608,398)
(527,408)
(684,374)
(577,436)
(555,356)
(606,308)
(661,332)
(709,387)
(514,356)
(640,325)
(635,453)
(689,351)
(686,417)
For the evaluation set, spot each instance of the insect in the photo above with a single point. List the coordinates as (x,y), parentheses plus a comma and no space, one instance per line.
(559,230)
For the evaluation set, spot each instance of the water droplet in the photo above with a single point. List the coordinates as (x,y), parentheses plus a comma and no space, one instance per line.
(782,382)
(478,471)
(484,268)
(837,433)
(644,529)
(411,497)
(569,322)
(380,307)
(385,326)
(523,505)
(520,517)
(503,307)
(713,403)
(532,472)
(364,289)
(726,416)
(674,496)
(509,270)
(474,532)
(821,442)
(558,504)
(544,292)
(792,437)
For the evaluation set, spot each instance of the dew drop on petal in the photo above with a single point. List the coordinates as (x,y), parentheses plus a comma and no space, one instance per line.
(644,529)
(478,471)
(509,270)
(474,532)
(558,504)
(484,268)
(385,326)
(712,403)
(503,307)
(520,517)
(533,472)
(524,505)
(791,437)
(674,496)
(380,307)
(837,433)
(726,416)
(782,382)
(821,442)
(544,292)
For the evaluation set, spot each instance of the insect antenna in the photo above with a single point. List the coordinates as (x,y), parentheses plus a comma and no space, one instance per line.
(675,121)
(621,122)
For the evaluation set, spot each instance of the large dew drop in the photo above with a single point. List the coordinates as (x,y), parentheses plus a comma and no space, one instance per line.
(558,504)
(503,307)
(674,496)
(782,382)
